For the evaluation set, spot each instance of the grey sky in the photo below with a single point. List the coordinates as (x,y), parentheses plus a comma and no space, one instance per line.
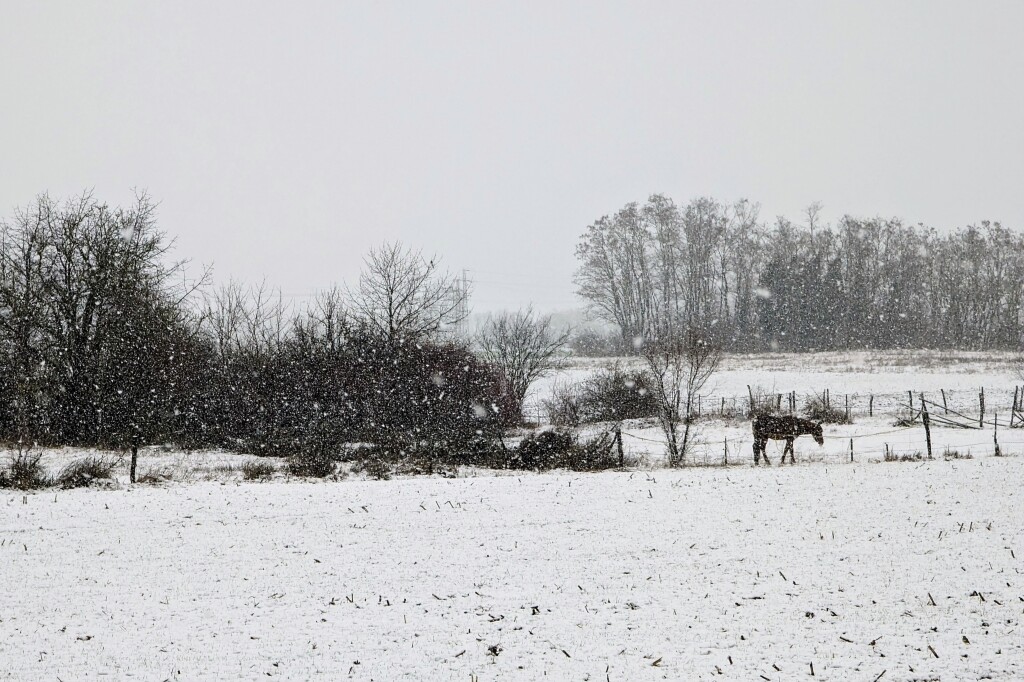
(284,139)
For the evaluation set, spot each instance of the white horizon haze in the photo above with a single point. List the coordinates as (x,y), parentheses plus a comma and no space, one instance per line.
(284,140)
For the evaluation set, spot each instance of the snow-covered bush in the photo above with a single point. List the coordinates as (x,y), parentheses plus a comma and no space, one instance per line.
(559,449)
(314,460)
(255,470)
(25,472)
(86,471)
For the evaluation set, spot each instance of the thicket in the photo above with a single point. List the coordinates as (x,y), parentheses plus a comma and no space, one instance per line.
(105,342)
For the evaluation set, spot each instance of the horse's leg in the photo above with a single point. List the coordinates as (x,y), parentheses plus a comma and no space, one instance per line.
(757,452)
(764,451)
(789,449)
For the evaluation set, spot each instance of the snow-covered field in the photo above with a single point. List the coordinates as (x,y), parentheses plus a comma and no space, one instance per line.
(886,375)
(908,571)
(866,570)
(878,379)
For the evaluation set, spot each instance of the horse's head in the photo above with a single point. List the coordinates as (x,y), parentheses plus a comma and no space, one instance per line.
(819,437)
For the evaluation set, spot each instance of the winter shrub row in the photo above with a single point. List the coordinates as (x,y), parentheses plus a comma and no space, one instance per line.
(26,472)
(102,345)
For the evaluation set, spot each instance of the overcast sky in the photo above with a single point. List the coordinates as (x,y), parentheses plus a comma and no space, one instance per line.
(284,139)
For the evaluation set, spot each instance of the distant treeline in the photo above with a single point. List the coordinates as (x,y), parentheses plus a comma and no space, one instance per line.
(861,283)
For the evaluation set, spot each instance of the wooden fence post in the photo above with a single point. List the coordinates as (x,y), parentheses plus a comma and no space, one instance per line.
(618,442)
(871,405)
(927,426)
(945,407)
(750,407)
(910,403)
(135,462)
(847,399)
(995,433)
(981,403)
(851,449)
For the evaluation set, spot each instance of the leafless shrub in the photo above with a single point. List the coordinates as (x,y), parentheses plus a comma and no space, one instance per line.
(593,343)
(680,361)
(612,394)
(891,456)
(564,406)
(558,449)
(311,465)
(817,409)
(522,347)
(949,454)
(257,470)
(374,465)
(165,473)
(26,472)
(763,402)
(86,471)
(617,393)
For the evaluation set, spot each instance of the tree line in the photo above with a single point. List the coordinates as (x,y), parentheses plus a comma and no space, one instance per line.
(861,283)
(105,341)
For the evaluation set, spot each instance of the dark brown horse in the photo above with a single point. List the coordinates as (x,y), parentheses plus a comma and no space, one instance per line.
(767,427)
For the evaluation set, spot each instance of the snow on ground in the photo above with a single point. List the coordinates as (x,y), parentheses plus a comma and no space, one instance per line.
(891,571)
(887,375)
(864,570)
(643,441)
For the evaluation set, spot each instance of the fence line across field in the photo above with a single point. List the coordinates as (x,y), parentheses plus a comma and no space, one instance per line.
(918,444)
(725,440)
(731,405)
(925,419)
(918,417)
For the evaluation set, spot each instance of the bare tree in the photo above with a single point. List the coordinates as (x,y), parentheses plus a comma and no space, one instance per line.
(681,362)
(402,295)
(94,323)
(22,306)
(616,269)
(522,347)
(240,320)
(325,322)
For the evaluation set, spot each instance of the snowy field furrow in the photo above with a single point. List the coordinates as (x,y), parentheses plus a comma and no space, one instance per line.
(889,571)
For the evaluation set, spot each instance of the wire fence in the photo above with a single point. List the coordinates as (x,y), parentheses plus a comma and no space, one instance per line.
(913,413)
(897,405)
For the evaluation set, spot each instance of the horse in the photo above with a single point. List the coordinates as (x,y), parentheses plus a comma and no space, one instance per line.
(782,428)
